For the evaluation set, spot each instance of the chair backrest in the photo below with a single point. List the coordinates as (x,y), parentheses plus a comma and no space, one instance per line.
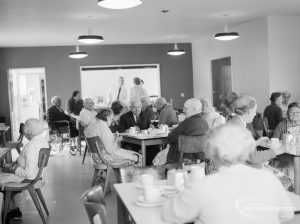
(191,145)
(94,204)
(21,132)
(96,147)
(130,174)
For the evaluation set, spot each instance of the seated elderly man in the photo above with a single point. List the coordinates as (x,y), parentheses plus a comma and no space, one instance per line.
(133,118)
(245,192)
(193,125)
(26,167)
(167,114)
(54,114)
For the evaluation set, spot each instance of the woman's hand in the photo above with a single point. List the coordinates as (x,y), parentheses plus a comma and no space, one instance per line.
(264,142)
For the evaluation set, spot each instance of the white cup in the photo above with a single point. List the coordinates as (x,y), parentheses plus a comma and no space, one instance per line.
(147,180)
(197,173)
(152,194)
(171,177)
(132,130)
(179,179)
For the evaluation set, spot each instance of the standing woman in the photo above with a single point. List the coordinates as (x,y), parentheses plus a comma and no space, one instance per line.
(137,91)
(273,112)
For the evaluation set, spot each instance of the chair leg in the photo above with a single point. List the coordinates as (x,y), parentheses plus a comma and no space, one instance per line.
(95,177)
(6,204)
(18,149)
(84,154)
(40,195)
(117,175)
(37,203)
(106,184)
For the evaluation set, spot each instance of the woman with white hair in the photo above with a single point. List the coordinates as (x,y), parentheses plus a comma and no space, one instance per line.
(213,118)
(87,114)
(26,168)
(236,193)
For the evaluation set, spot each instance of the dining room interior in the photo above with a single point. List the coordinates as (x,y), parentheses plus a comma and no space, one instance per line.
(126,128)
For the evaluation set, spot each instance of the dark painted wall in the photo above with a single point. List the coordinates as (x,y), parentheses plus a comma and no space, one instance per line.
(63,73)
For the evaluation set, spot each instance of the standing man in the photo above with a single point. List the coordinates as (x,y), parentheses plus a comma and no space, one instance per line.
(74,105)
(118,92)
(286,96)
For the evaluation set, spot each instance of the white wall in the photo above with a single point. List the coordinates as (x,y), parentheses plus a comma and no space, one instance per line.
(249,58)
(284,54)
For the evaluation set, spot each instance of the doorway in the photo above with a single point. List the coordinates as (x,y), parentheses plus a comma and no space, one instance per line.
(27,96)
(221,80)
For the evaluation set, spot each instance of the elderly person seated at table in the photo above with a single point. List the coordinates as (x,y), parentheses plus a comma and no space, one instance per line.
(26,167)
(133,118)
(147,112)
(225,196)
(100,128)
(167,114)
(193,125)
(213,118)
(273,112)
(87,114)
(118,108)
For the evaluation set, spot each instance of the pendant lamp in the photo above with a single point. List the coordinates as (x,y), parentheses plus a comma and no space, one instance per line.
(78,54)
(225,36)
(119,4)
(176,51)
(90,38)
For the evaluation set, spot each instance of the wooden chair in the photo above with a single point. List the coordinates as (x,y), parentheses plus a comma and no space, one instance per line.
(33,187)
(191,145)
(97,163)
(94,204)
(130,174)
(18,144)
(111,165)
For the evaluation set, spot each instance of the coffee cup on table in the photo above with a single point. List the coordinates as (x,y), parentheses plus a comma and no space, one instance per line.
(147,180)
(132,130)
(152,194)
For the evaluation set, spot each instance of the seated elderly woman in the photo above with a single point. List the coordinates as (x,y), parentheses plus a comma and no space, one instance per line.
(236,193)
(26,168)
(213,118)
(87,114)
(100,127)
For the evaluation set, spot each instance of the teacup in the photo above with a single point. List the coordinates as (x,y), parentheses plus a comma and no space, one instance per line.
(132,130)
(152,194)
(147,180)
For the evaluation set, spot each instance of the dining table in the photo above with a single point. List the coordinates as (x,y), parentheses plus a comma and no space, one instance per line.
(127,194)
(145,140)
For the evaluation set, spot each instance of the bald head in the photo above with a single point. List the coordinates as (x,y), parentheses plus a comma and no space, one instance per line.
(56,100)
(191,107)
(160,102)
(33,127)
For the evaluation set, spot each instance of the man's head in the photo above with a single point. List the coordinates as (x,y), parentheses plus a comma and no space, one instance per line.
(191,107)
(121,81)
(160,102)
(76,95)
(206,105)
(32,128)
(136,106)
(56,100)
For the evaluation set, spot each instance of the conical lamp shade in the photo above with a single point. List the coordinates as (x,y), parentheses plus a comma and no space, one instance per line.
(119,4)
(176,51)
(78,54)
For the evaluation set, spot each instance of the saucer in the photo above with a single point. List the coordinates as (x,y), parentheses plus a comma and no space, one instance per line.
(142,202)
(170,191)
(139,185)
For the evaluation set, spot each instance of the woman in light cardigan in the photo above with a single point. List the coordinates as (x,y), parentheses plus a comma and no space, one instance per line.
(224,197)
(100,127)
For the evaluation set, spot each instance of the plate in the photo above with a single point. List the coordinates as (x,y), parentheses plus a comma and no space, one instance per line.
(141,202)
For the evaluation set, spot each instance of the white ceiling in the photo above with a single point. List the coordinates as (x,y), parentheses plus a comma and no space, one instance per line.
(60,22)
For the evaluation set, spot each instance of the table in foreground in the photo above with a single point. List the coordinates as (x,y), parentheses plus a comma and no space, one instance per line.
(127,193)
(145,140)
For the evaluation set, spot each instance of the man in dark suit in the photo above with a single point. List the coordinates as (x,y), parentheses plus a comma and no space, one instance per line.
(132,118)
(193,125)
(54,114)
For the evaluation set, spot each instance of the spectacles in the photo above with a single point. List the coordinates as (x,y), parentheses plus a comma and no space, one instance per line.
(294,113)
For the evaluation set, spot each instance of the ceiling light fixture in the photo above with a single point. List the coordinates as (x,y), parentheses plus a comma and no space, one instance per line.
(225,36)
(176,51)
(78,54)
(119,4)
(90,38)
